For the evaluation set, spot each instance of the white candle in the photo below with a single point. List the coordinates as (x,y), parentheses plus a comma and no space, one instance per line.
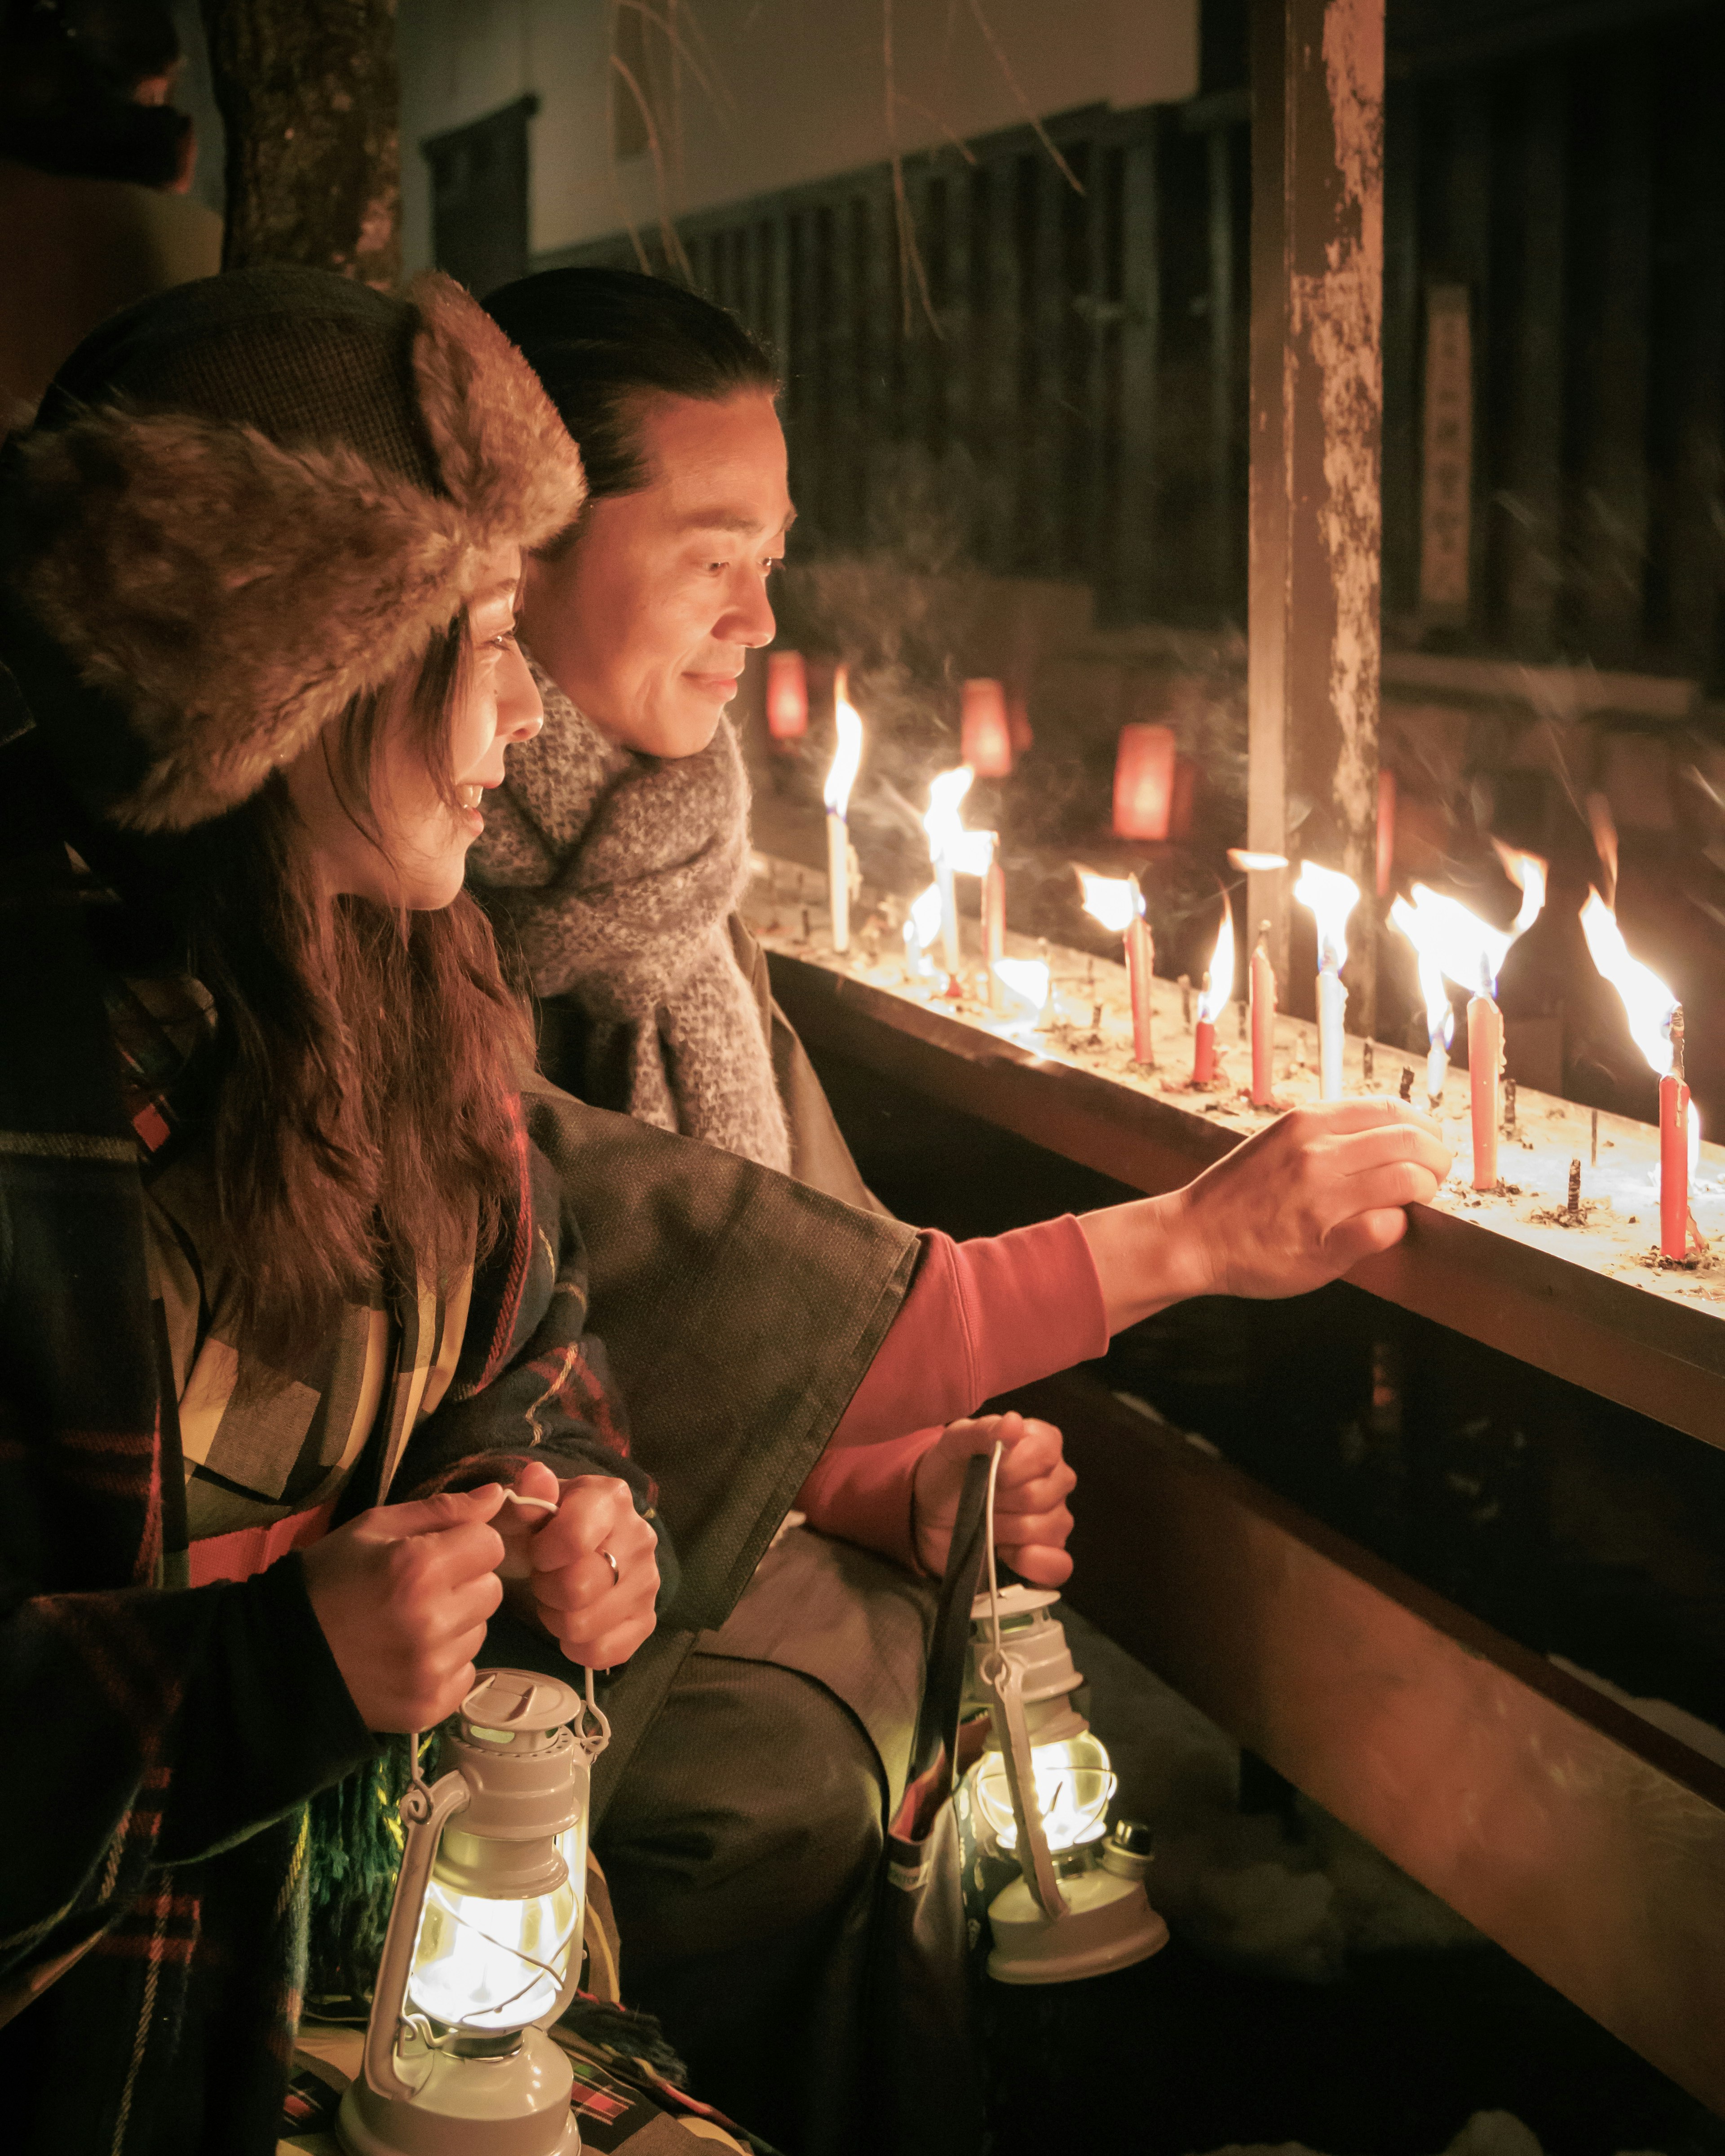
(1331,1008)
(838,878)
(847,758)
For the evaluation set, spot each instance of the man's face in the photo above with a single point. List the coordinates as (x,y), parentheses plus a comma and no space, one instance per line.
(645,623)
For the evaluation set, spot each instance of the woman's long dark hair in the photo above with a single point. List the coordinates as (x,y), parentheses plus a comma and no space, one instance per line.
(605,343)
(367,1061)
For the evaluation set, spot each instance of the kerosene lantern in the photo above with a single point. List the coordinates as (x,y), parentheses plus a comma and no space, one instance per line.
(1042,1787)
(483,1951)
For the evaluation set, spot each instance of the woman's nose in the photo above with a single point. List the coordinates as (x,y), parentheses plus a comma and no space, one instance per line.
(520,713)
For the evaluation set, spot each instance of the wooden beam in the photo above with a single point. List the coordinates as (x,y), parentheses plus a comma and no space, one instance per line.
(1662,1357)
(1318,399)
(1588,1843)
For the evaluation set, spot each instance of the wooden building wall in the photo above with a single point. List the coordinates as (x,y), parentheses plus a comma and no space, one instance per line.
(1071,400)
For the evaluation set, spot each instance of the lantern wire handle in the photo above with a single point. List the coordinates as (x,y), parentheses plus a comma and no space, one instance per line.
(415,1804)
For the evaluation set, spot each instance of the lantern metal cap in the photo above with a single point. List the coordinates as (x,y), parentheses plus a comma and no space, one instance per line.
(519,1702)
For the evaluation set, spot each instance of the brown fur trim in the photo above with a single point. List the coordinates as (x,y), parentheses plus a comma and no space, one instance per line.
(503,452)
(234,596)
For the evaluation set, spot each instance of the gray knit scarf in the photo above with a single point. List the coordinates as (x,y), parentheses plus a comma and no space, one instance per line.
(618,872)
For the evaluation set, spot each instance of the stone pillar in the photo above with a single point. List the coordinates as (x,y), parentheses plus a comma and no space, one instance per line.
(1316,423)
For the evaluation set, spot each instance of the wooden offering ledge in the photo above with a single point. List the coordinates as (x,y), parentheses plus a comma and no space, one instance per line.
(1584,1298)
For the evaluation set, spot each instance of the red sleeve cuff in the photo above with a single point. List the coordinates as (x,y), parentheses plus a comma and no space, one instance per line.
(981,1318)
(863,1493)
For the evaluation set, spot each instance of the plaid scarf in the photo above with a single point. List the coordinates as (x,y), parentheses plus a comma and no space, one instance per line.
(163,1743)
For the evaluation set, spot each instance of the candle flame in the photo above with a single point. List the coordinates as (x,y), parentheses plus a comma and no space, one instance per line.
(950,846)
(1242,857)
(1028,979)
(1218,982)
(1114,900)
(1603,826)
(922,924)
(1468,950)
(1527,872)
(1439,1014)
(847,757)
(1647,1001)
(1332,897)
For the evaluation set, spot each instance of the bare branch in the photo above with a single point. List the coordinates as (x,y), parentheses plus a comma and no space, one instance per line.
(1043,136)
(674,249)
(909,255)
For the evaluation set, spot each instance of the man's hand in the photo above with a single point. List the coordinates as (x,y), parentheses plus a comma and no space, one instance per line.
(403,1593)
(598,1615)
(1297,1205)
(1031,1521)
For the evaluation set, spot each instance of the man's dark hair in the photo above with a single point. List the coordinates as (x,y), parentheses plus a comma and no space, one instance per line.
(603,341)
(70,75)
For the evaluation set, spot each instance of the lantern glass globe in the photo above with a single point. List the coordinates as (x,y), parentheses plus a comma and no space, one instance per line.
(1074,1784)
(490,1964)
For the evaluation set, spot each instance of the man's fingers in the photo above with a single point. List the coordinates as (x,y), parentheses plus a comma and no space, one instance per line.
(1052,1525)
(1373,1112)
(1041,1496)
(1403,1183)
(1033,1452)
(1366,1235)
(1362,1150)
(1043,1566)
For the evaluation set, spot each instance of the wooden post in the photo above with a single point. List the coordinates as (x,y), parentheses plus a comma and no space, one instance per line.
(310,101)
(1317,396)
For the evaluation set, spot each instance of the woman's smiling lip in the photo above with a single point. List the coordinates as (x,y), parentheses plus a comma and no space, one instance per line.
(713,683)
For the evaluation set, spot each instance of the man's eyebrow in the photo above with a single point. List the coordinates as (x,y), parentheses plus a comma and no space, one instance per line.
(731,520)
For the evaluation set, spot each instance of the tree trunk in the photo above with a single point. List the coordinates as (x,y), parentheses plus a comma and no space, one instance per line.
(309,95)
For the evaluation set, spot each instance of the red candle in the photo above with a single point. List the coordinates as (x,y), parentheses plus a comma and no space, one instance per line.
(1018,724)
(1181,797)
(985,737)
(1484,1064)
(787,696)
(1263,1002)
(1144,782)
(1203,1047)
(993,926)
(1140,968)
(1674,1150)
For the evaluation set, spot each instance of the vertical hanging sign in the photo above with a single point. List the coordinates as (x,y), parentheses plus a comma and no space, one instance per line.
(1446,506)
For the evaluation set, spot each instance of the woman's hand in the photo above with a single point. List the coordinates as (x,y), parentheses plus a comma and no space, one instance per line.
(1031,1521)
(402,1594)
(1297,1205)
(598,1615)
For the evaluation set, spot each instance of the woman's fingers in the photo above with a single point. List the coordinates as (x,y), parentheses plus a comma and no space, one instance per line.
(1042,1564)
(1359,1153)
(1365,1236)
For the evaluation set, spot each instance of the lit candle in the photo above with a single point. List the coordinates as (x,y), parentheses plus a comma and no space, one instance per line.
(1140,972)
(993,926)
(1656,1023)
(787,698)
(1118,903)
(984,733)
(1484,1066)
(1263,1000)
(1144,782)
(922,924)
(1213,998)
(1031,983)
(1450,941)
(1331,897)
(954,851)
(841,774)
(1674,1149)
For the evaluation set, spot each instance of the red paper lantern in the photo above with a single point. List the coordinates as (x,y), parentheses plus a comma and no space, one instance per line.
(984,737)
(1144,782)
(786,696)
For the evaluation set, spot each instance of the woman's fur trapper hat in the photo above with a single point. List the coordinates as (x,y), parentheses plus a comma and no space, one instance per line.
(248,500)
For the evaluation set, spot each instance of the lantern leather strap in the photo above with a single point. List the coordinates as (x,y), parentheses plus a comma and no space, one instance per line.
(248,1551)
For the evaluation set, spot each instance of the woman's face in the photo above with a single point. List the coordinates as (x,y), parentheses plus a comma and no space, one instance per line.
(645,623)
(423,856)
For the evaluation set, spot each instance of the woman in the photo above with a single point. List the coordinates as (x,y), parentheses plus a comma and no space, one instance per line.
(286,1299)
(616,861)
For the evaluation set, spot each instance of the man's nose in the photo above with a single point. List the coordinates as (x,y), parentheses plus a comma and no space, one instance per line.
(749,620)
